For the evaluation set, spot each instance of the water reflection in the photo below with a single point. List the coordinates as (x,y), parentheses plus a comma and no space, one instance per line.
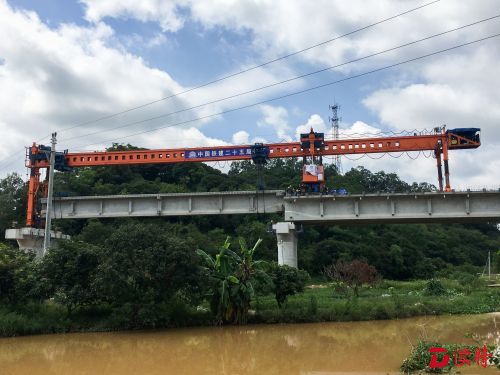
(319,349)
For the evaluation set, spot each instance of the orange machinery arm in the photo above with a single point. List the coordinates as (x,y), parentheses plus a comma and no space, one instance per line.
(242,152)
(439,143)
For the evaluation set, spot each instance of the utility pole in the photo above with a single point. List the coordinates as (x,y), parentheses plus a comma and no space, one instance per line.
(335,134)
(50,193)
(489,265)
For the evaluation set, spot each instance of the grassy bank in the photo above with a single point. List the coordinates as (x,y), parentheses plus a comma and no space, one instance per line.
(36,318)
(389,300)
(319,302)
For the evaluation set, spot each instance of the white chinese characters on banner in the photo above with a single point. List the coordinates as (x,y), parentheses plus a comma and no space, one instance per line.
(216,153)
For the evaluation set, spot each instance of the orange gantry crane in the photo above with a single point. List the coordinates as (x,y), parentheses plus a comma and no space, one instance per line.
(311,148)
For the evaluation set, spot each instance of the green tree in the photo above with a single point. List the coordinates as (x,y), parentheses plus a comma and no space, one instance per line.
(232,279)
(144,266)
(12,201)
(16,274)
(95,232)
(286,281)
(68,271)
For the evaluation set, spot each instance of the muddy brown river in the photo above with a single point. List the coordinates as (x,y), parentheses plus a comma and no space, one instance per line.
(376,347)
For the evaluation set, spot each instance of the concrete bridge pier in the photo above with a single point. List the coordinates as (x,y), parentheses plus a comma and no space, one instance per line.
(286,234)
(32,238)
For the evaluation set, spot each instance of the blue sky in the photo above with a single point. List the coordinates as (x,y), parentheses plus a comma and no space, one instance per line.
(69,62)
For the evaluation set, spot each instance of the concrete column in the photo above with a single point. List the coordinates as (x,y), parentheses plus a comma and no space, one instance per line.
(286,235)
(33,238)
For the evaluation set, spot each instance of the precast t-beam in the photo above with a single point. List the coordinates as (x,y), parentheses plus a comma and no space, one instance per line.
(380,208)
(173,204)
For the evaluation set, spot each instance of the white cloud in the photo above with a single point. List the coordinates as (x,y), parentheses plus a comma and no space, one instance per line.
(164,12)
(70,69)
(277,27)
(315,122)
(457,89)
(357,130)
(51,79)
(180,137)
(55,78)
(140,42)
(277,118)
(460,91)
(241,137)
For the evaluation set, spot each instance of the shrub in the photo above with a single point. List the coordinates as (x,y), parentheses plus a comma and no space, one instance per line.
(434,288)
(16,274)
(420,357)
(286,281)
(354,273)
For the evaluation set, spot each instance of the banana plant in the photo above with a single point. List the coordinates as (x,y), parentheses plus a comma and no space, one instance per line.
(232,278)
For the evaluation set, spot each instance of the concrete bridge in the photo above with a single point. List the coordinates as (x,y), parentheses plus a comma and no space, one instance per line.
(436,207)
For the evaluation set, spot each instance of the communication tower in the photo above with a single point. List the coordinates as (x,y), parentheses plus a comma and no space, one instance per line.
(335,133)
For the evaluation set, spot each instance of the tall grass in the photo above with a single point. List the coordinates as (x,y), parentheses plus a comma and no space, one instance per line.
(33,319)
(389,300)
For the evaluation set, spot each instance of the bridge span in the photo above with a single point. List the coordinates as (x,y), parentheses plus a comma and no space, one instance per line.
(387,208)
(338,209)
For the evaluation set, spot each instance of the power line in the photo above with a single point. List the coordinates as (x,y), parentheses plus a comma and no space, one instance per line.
(249,69)
(60,130)
(5,166)
(301,91)
(284,81)
(234,74)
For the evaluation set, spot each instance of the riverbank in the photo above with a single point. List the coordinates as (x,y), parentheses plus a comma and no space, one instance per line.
(320,302)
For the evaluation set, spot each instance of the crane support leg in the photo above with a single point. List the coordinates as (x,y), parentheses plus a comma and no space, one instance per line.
(439,168)
(33,187)
(446,168)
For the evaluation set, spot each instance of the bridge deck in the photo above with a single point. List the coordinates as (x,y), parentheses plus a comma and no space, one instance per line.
(395,208)
(366,208)
(174,204)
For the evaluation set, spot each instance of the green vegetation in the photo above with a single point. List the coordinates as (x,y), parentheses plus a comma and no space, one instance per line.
(160,282)
(353,274)
(386,300)
(434,288)
(13,192)
(146,273)
(286,281)
(420,357)
(233,278)
(15,275)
